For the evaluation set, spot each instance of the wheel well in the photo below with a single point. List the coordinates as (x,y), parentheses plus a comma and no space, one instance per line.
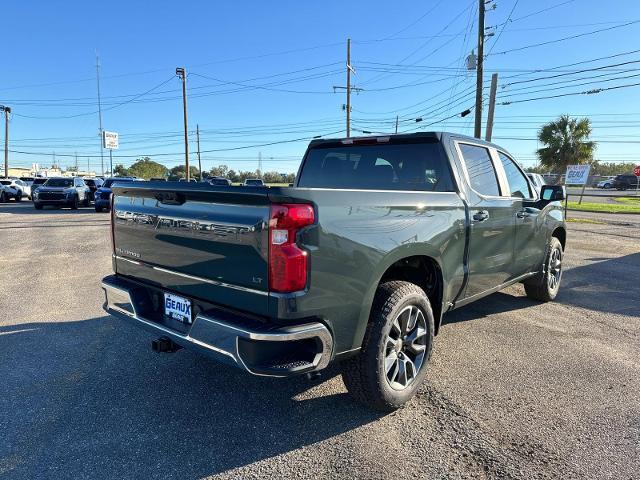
(561,234)
(425,272)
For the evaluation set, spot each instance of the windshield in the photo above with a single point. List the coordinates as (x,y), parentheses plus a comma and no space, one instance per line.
(254,182)
(109,181)
(59,182)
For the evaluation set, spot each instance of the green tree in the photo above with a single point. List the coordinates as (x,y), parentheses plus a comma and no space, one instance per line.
(147,168)
(566,142)
(219,171)
(233,176)
(179,172)
(120,171)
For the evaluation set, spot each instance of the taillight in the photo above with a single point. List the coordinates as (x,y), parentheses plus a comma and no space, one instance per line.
(288,262)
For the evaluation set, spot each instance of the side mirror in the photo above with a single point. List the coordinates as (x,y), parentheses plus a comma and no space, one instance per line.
(553,193)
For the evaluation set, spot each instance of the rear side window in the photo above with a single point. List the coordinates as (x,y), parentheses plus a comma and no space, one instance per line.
(517,181)
(415,166)
(482,174)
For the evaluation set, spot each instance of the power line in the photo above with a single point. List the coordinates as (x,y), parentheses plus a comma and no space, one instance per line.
(96,111)
(548,77)
(588,92)
(504,25)
(549,42)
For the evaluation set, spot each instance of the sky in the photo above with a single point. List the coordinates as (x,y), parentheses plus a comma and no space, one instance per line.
(261,75)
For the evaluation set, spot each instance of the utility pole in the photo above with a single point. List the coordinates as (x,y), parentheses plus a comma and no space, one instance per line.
(87,164)
(492,106)
(348,88)
(477,132)
(181,72)
(259,164)
(7,111)
(198,141)
(99,113)
(76,155)
(396,123)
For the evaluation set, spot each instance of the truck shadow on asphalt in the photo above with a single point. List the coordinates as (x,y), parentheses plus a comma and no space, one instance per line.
(89,399)
(604,285)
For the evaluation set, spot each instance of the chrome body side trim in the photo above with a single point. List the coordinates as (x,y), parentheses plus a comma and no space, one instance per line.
(221,338)
(191,277)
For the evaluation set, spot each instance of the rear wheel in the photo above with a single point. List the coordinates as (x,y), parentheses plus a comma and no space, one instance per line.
(3,197)
(86,201)
(99,209)
(19,196)
(396,348)
(37,206)
(74,203)
(544,287)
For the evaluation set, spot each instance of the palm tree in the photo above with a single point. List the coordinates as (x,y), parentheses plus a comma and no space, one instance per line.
(567,143)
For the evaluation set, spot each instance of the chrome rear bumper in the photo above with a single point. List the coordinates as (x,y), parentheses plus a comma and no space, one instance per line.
(232,344)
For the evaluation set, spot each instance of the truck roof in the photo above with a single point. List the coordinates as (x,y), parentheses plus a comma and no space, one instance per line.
(397,137)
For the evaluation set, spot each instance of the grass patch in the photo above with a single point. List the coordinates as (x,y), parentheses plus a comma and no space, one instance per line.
(628,200)
(605,207)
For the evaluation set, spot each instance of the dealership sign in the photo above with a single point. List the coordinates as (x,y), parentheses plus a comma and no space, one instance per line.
(577,174)
(110,140)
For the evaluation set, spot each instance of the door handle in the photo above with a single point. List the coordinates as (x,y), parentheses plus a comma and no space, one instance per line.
(481,216)
(524,213)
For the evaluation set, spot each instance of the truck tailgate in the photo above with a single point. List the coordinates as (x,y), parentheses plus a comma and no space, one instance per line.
(201,241)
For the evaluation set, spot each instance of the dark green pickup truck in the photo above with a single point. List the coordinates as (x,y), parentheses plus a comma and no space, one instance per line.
(357,262)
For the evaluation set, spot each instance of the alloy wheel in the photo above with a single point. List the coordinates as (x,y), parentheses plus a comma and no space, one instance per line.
(555,268)
(405,348)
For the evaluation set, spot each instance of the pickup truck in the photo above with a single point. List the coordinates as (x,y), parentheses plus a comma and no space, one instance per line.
(356,263)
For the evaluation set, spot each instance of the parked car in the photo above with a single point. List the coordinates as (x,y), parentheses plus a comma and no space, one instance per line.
(219,181)
(93,184)
(18,184)
(68,192)
(253,182)
(357,263)
(28,181)
(625,182)
(9,190)
(37,182)
(605,183)
(102,199)
(537,180)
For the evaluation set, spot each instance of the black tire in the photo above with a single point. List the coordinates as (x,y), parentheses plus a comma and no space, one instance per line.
(365,375)
(37,206)
(19,196)
(542,287)
(86,201)
(99,209)
(74,204)
(3,197)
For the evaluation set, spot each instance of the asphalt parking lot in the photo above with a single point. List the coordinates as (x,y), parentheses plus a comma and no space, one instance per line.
(516,389)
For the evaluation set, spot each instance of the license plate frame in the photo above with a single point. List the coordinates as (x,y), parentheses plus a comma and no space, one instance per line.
(178,308)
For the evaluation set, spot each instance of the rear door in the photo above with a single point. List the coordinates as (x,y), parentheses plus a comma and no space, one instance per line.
(529,238)
(491,235)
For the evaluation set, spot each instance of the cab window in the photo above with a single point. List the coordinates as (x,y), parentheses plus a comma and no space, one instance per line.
(518,184)
(482,174)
